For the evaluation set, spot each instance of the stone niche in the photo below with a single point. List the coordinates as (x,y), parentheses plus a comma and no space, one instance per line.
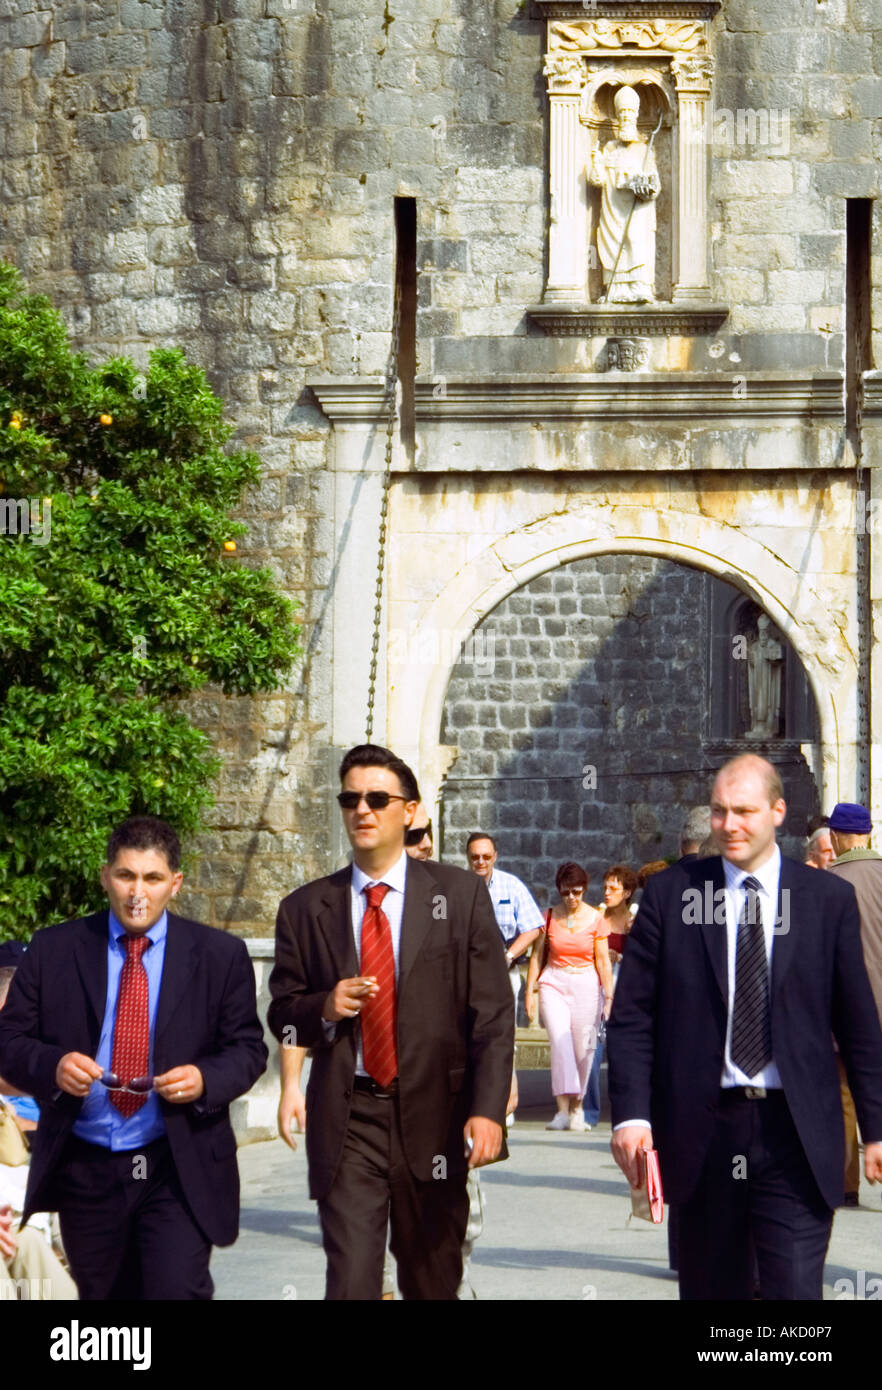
(594,54)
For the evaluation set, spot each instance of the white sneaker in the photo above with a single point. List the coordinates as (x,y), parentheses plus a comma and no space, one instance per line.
(577,1121)
(560,1121)
(509,1120)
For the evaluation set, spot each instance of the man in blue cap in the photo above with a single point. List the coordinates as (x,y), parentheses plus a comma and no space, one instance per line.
(850,828)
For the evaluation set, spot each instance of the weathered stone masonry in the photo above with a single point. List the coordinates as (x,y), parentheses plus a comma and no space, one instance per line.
(222,176)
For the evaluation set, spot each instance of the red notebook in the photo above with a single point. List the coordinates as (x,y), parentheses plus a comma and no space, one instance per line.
(647,1200)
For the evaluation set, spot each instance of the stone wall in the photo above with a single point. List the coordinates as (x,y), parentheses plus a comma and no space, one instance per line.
(220,174)
(581,715)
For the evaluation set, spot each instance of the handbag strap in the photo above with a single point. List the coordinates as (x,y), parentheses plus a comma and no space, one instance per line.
(544,961)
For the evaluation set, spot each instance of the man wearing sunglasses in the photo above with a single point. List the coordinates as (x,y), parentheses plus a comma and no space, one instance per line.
(391,970)
(134,1029)
(418,839)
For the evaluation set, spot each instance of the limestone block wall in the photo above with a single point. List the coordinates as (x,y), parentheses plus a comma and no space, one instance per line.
(220,174)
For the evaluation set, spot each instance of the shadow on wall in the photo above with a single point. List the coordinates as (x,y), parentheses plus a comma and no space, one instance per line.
(590,710)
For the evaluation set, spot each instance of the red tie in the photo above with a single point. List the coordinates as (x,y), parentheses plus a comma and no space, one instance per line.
(378,1016)
(131,1028)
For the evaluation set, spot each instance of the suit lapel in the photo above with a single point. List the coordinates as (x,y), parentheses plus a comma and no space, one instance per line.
(712,886)
(181,958)
(791,901)
(420,890)
(91,958)
(334,920)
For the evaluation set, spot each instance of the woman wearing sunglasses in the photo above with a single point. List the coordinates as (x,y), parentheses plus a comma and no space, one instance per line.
(571,964)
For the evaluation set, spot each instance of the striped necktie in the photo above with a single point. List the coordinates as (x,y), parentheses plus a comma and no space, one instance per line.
(751,1023)
(379,1014)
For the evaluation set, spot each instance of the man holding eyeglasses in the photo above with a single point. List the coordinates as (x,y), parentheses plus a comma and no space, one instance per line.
(134,1029)
(391,971)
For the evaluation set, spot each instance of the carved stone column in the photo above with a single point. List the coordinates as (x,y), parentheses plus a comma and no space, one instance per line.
(568,219)
(693,77)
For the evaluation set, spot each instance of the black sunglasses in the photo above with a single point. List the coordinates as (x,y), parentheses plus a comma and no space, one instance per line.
(377,801)
(415,833)
(139,1085)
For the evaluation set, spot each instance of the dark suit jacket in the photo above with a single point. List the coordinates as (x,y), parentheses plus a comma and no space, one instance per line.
(455,1013)
(206,1017)
(668,1027)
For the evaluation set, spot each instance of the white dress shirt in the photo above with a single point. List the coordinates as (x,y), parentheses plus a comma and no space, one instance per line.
(767,876)
(393,906)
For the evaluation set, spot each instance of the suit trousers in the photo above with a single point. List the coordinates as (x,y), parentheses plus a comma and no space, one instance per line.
(374,1189)
(757,1207)
(127,1229)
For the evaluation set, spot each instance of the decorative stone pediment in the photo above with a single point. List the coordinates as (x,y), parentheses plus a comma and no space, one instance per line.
(647,35)
(629,89)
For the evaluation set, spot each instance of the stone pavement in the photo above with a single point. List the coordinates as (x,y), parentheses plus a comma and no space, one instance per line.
(556,1225)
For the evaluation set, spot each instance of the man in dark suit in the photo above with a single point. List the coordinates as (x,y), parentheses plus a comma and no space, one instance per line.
(145,1180)
(739,971)
(393,971)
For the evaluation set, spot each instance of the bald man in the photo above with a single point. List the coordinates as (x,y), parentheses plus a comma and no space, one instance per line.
(739,971)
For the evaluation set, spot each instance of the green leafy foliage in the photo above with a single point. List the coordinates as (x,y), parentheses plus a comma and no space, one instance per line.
(130,599)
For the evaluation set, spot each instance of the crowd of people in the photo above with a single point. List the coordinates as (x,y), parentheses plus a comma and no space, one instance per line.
(743,999)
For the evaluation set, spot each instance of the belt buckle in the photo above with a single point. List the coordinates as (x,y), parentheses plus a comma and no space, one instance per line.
(755,1092)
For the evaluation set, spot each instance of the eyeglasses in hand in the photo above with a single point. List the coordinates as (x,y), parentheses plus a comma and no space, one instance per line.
(138,1085)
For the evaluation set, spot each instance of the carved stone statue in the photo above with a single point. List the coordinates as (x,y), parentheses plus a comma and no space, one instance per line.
(626,172)
(764,660)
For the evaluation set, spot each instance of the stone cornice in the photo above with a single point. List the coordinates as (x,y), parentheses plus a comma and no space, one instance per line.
(628,320)
(626,9)
(351,397)
(633,397)
(607,396)
(872,394)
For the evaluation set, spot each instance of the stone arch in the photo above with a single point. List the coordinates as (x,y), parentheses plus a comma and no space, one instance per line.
(417,691)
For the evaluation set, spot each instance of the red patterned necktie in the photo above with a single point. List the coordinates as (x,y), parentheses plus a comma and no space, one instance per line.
(378,1016)
(131,1027)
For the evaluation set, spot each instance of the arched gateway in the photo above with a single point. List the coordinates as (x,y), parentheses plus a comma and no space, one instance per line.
(427,653)
(590,707)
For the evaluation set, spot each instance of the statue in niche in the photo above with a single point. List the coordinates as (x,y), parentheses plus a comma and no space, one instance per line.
(764,660)
(626,173)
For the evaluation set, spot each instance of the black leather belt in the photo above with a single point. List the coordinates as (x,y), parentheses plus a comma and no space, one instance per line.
(373,1088)
(728,1094)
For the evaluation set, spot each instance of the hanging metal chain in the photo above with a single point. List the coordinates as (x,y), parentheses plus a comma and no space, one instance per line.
(390,398)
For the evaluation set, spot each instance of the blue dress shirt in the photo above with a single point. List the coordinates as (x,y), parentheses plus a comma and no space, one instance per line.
(99,1122)
(514,906)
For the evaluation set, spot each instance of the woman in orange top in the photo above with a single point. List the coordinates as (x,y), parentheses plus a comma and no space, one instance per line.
(571,962)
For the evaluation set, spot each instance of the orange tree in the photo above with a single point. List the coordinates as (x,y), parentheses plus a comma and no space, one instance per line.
(119,594)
